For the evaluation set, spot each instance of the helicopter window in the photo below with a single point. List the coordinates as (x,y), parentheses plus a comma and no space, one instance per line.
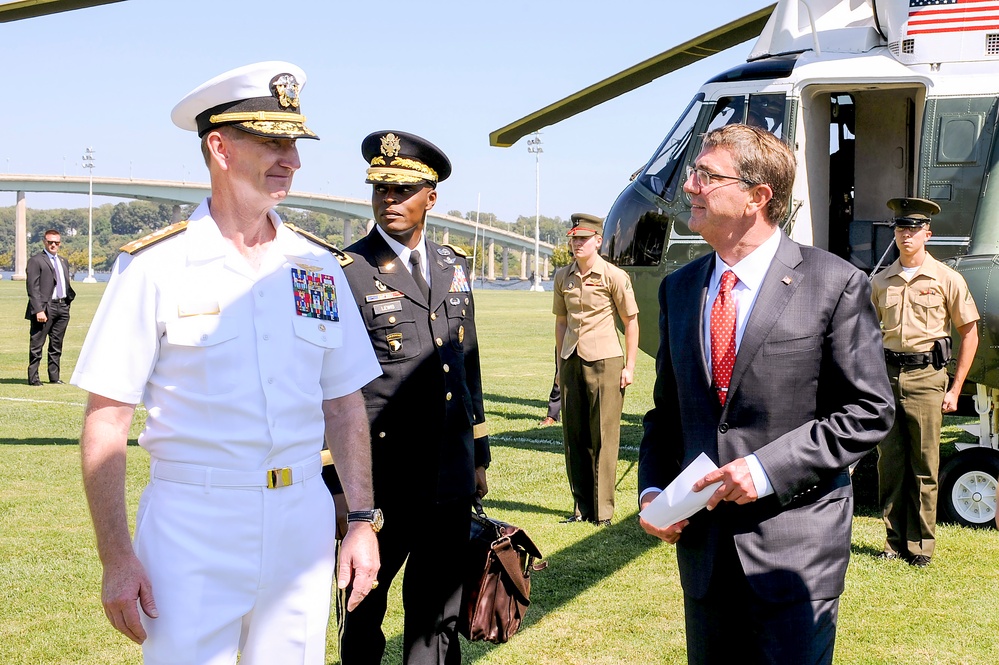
(663,173)
(728,110)
(767,112)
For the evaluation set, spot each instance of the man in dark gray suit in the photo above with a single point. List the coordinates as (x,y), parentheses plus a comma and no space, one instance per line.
(770,363)
(49,296)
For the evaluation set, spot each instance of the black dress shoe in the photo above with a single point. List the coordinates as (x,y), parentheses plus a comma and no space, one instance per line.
(919,561)
(58,382)
(34,384)
(601,522)
(572,519)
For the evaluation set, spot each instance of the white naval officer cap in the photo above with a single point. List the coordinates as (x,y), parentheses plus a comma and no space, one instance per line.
(262,99)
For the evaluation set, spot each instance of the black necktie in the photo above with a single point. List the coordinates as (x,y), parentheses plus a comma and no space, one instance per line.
(414,258)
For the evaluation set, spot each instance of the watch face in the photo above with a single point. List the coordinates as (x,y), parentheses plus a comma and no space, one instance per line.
(378,520)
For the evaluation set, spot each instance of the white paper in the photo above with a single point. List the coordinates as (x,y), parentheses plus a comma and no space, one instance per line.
(678,502)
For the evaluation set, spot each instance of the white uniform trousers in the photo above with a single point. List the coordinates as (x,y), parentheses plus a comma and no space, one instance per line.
(236,569)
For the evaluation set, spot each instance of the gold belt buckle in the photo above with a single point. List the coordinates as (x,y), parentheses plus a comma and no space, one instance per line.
(278,478)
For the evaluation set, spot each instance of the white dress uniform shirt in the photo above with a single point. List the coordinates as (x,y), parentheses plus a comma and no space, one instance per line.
(403,252)
(231,376)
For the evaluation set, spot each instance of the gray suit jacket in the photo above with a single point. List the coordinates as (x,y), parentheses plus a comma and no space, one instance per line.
(809,396)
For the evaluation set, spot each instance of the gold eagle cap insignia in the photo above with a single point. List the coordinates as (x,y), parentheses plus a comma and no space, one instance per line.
(391,145)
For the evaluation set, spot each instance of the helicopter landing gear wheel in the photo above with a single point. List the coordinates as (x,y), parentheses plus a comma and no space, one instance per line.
(968,485)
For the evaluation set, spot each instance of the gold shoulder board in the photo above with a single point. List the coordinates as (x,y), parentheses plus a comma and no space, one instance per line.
(341,257)
(142,243)
(457,250)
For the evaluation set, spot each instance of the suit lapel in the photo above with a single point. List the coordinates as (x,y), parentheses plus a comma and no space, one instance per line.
(441,273)
(778,286)
(700,296)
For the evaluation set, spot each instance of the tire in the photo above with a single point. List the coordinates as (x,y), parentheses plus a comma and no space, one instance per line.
(968,488)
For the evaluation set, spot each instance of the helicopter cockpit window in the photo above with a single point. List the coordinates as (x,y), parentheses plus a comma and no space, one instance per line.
(663,174)
(728,110)
(767,112)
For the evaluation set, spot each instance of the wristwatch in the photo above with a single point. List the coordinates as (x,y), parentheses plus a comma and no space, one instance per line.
(374,517)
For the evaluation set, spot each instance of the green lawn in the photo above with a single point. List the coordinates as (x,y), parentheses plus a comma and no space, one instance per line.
(608,596)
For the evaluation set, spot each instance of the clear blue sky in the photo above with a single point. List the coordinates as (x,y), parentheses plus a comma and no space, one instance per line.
(451,71)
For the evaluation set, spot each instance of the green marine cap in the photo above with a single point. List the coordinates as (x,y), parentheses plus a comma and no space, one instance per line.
(584,225)
(912,213)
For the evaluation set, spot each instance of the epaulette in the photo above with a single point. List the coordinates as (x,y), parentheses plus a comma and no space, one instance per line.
(341,257)
(142,243)
(457,250)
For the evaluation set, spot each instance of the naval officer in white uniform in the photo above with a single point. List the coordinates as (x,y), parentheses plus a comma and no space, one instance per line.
(242,339)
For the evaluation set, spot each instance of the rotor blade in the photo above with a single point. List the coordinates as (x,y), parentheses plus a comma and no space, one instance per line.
(15,11)
(709,43)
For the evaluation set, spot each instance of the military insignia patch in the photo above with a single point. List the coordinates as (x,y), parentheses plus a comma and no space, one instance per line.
(459,283)
(315,295)
(380,285)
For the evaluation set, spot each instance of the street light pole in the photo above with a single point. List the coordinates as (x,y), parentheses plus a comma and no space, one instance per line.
(534,146)
(89,164)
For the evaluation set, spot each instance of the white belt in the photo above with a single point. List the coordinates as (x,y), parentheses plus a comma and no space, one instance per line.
(192,474)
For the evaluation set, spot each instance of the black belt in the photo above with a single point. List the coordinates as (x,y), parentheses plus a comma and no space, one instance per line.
(907,359)
(58,300)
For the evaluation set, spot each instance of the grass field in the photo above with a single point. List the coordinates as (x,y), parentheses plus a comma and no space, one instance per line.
(608,596)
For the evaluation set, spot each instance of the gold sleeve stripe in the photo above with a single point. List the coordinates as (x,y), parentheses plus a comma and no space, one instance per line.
(326,456)
(480,430)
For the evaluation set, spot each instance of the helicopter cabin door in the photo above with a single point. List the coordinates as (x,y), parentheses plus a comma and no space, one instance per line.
(861,150)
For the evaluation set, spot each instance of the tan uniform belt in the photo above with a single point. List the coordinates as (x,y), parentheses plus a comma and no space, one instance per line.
(192,474)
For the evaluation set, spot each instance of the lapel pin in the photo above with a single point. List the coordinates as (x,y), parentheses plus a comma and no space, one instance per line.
(786,280)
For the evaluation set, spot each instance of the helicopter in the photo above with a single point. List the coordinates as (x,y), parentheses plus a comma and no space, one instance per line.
(878,99)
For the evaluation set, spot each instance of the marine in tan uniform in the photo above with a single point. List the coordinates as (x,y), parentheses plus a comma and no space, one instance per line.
(918,299)
(593,370)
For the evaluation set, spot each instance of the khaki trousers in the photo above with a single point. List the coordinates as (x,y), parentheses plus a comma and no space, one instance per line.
(909,460)
(592,399)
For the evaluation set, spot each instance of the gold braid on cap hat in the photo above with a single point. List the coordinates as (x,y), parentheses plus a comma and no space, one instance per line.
(401,166)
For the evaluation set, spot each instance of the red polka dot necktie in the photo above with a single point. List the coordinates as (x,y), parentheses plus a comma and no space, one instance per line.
(723,314)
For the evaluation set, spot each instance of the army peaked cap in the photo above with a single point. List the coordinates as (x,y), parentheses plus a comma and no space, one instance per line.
(398,158)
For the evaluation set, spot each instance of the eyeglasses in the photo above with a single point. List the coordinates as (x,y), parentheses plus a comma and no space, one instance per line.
(53,242)
(705,178)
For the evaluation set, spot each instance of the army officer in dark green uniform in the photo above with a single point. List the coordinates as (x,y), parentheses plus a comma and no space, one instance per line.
(429,445)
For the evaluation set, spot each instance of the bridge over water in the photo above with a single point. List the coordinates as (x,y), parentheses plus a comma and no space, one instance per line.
(355,212)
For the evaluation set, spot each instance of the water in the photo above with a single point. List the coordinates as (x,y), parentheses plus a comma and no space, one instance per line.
(77,277)
(498,285)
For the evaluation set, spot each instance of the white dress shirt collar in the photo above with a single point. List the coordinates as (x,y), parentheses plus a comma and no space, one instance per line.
(403,252)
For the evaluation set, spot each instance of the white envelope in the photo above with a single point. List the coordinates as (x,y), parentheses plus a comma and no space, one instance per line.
(677,502)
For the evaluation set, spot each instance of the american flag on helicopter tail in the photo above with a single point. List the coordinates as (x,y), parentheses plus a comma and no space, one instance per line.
(940,16)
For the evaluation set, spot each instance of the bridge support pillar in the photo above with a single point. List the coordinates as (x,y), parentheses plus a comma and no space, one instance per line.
(175,215)
(506,263)
(348,232)
(488,260)
(447,236)
(21,239)
(548,268)
(523,264)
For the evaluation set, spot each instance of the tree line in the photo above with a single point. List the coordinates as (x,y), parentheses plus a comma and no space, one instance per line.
(115,224)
